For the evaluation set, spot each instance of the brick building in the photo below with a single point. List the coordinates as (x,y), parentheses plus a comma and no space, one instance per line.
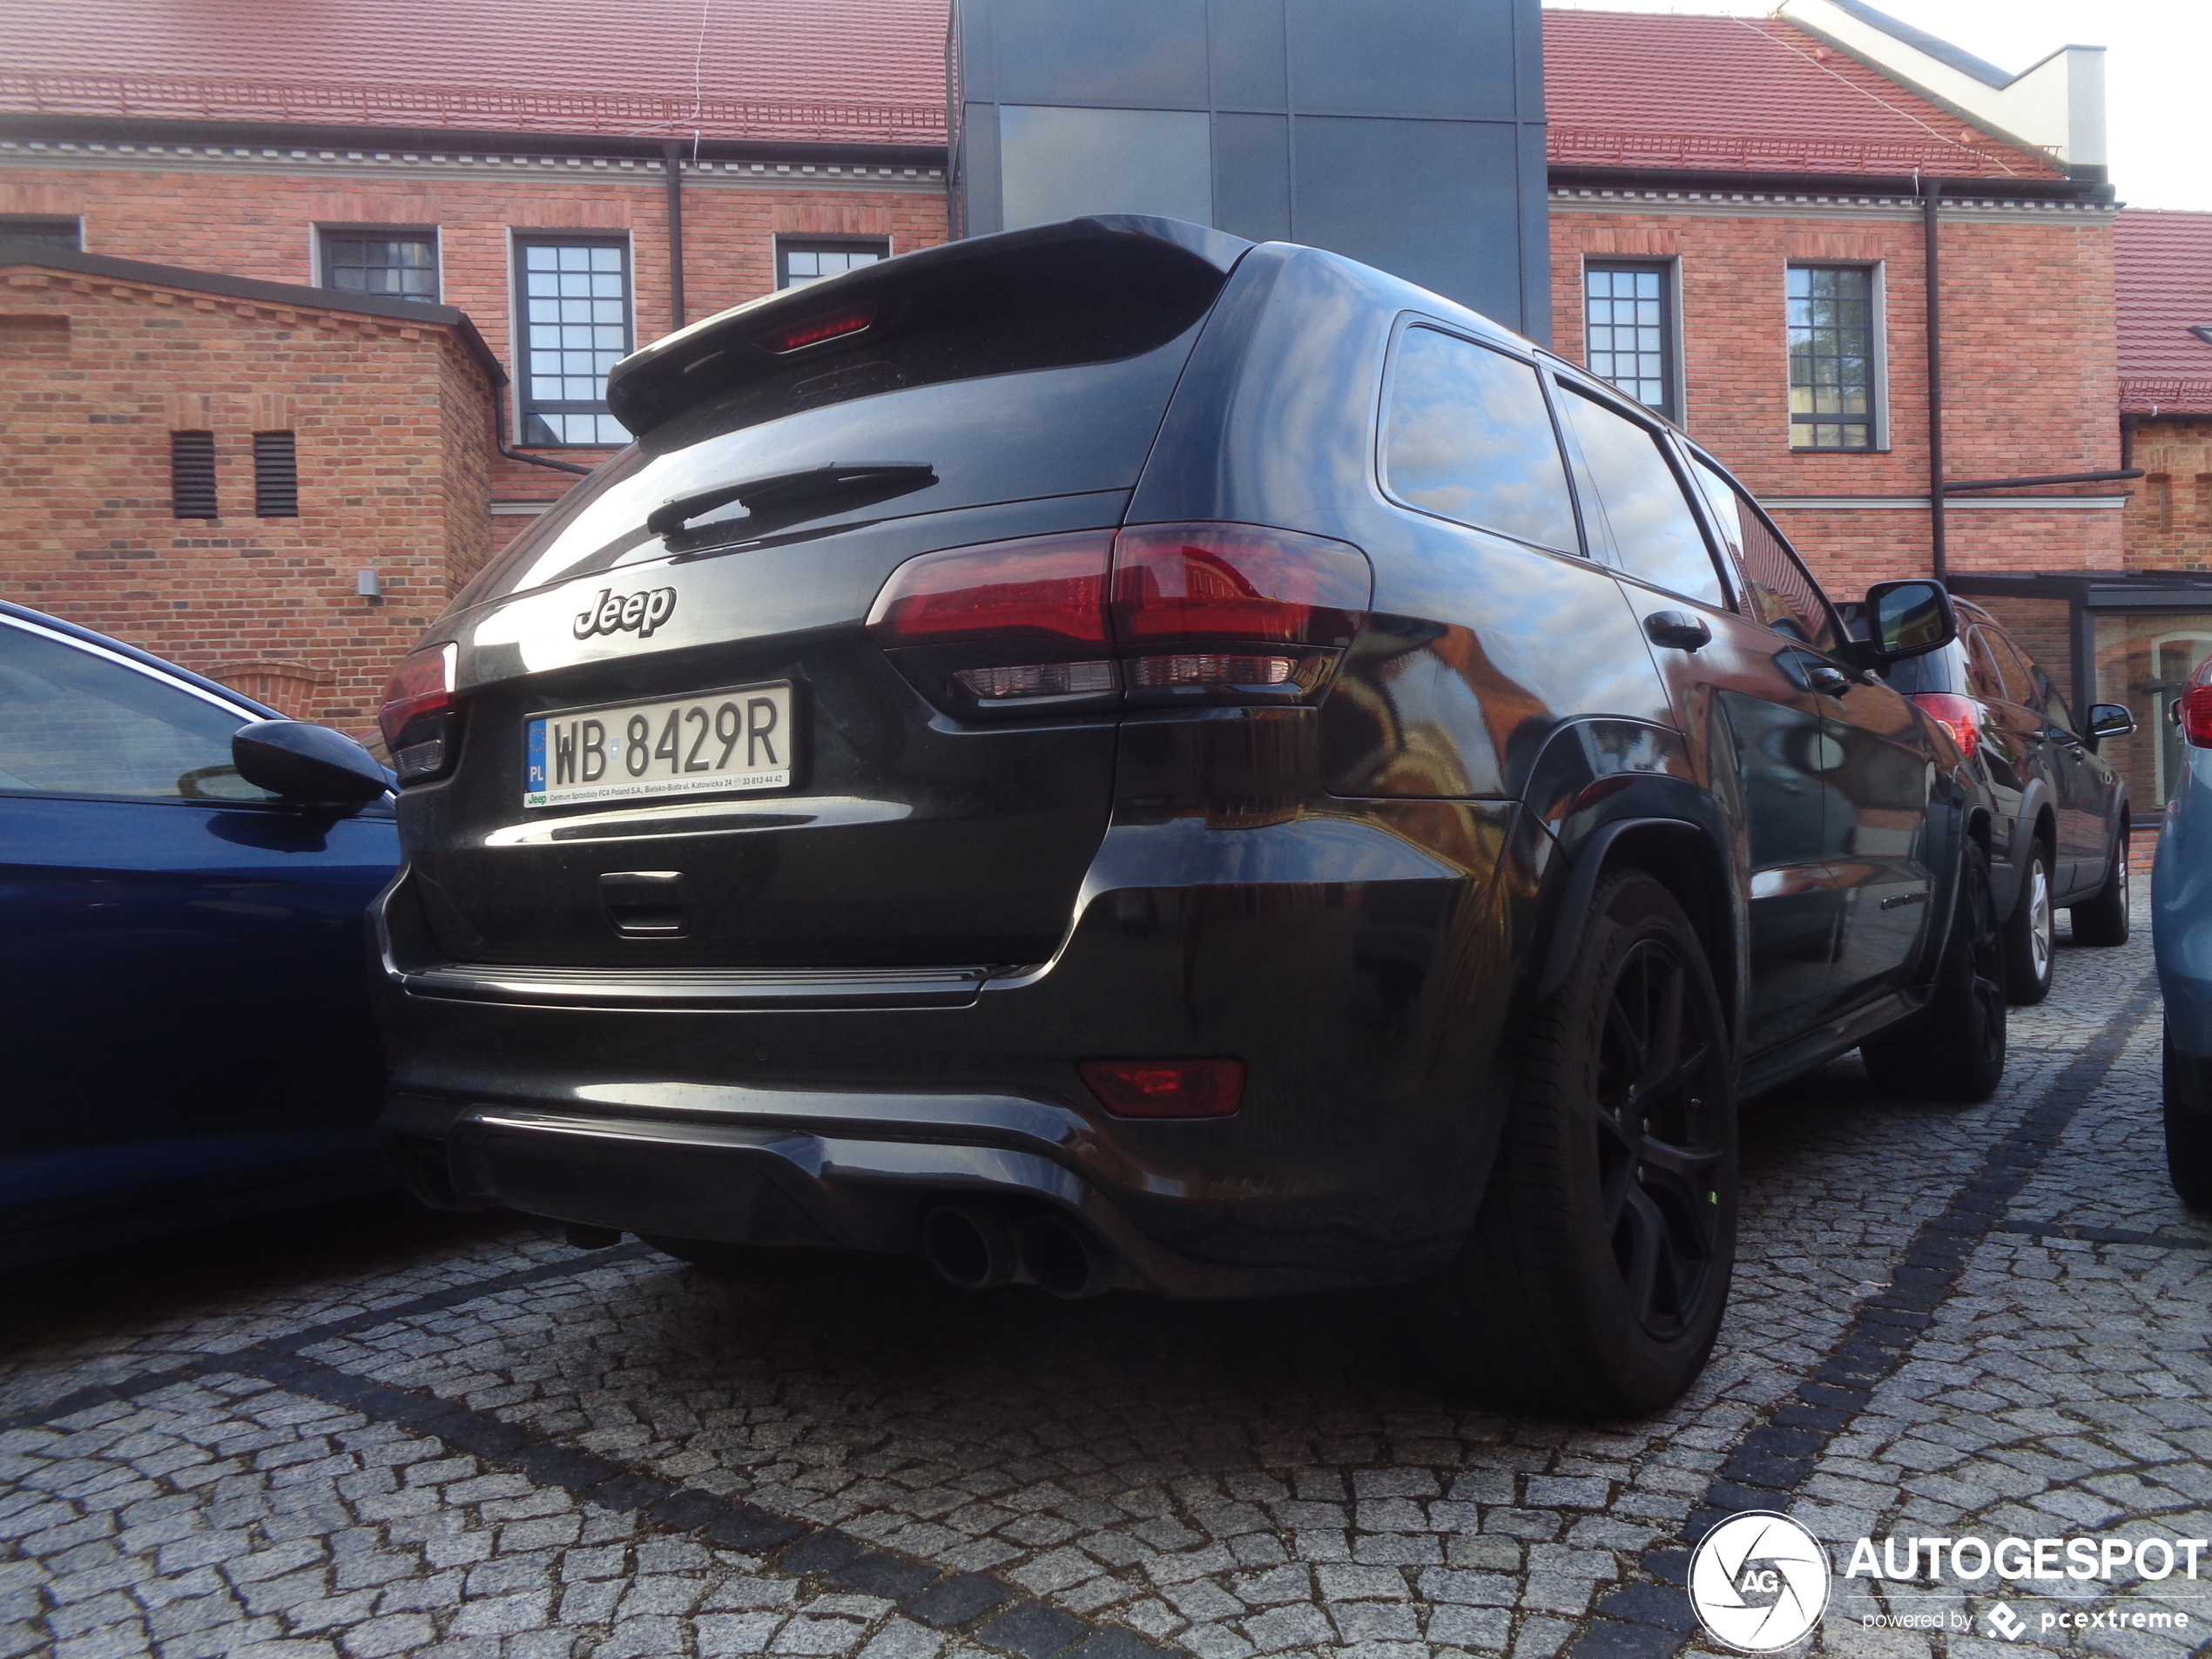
(1749,195)
(137,394)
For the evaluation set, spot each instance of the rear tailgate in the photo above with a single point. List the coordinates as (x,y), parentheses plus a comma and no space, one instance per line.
(673,743)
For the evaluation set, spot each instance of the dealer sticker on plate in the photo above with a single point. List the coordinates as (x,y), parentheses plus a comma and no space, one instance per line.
(717,743)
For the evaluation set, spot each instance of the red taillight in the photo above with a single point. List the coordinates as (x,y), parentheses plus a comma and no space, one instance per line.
(1236,581)
(421,684)
(1166,1087)
(1049,588)
(818,328)
(1961,716)
(1207,611)
(2196,707)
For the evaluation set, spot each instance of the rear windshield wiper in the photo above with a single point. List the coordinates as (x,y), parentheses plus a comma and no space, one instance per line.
(784,498)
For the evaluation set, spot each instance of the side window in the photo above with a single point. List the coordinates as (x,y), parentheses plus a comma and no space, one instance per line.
(75,723)
(1983,677)
(1466,436)
(1780,592)
(1627,481)
(2020,674)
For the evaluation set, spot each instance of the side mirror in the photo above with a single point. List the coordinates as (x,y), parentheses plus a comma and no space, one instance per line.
(2109,720)
(1906,619)
(308,764)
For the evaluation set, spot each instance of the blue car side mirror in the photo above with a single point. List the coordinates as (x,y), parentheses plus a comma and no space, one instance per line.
(308,764)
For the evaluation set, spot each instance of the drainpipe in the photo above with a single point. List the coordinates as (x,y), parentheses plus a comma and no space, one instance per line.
(499,438)
(1939,552)
(672,153)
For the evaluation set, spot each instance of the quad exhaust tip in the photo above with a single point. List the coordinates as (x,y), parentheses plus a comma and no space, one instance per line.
(978,1249)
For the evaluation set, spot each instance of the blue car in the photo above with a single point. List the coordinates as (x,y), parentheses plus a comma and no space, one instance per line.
(2182,931)
(183,874)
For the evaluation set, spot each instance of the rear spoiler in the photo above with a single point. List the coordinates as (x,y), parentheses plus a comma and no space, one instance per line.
(660,381)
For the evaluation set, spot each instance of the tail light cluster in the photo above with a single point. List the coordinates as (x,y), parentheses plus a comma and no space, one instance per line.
(2195,708)
(1959,716)
(418,702)
(1153,615)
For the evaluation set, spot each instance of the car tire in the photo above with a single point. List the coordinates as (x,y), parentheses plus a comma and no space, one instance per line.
(2029,933)
(2189,1138)
(1953,1050)
(1593,1281)
(2102,918)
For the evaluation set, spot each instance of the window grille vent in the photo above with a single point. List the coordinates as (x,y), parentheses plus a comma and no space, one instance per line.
(276,475)
(191,474)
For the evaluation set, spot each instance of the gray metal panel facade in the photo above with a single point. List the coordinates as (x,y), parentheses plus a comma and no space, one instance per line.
(1408,134)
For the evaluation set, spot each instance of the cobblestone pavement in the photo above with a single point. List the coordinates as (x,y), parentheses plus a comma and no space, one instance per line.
(365,1431)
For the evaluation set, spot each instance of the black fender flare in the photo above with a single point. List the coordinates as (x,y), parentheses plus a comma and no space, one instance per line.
(1565,924)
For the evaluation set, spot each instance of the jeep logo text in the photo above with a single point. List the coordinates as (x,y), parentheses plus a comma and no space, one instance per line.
(637,613)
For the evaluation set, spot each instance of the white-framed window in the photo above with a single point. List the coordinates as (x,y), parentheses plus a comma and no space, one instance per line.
(802,259)
(387,261)
(572,315)
(1838,393)
(61,230)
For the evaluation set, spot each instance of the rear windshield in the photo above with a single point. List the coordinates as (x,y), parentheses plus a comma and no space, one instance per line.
(1045,374)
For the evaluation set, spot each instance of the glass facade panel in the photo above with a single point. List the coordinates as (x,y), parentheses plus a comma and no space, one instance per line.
(575,321)
(390,267)
(1626,322)
(801,263)
(1831,357)
(2143,660)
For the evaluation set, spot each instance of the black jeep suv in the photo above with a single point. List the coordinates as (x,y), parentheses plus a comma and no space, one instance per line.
(1109,755)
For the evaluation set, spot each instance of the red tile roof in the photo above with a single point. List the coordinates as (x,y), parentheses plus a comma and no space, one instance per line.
(1755,94)
(2163,279)
(856,71)
(1625,89)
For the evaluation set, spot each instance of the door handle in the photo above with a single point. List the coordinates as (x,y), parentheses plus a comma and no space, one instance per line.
(1829,682)
(1677,629)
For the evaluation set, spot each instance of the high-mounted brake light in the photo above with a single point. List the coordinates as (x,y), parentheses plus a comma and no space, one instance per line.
(421,685)
(1166,1087)
(817,329)
(2196,707)
(1959,716)
(1206,612)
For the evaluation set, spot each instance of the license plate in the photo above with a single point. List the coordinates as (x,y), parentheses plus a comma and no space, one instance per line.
(719,742)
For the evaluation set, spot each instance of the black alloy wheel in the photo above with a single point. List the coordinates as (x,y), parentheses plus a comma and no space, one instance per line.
(1595,1279)
(1953,1050)
(1658,1158)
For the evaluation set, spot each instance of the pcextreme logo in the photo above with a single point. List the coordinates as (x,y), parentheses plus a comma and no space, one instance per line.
(1759,1581)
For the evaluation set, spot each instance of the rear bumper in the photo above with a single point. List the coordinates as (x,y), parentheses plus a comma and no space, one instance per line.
(829,1109)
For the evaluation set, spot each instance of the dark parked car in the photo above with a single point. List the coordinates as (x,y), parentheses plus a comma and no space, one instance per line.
(183,874)
(2059,814)
(1114,756)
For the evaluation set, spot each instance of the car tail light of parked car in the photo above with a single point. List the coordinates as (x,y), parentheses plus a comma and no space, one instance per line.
(413,717)
(2196,707)
(1159,613)
(1959,716)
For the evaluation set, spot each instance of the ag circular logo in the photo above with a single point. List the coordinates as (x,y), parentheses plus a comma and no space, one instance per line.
(1759,1581)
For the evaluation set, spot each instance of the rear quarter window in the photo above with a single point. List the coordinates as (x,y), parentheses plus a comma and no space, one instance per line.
(1467,435)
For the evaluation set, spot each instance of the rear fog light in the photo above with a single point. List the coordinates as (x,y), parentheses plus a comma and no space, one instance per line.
(1166,1087)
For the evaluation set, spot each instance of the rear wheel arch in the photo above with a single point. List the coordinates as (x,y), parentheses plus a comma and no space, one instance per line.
(1683,857)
